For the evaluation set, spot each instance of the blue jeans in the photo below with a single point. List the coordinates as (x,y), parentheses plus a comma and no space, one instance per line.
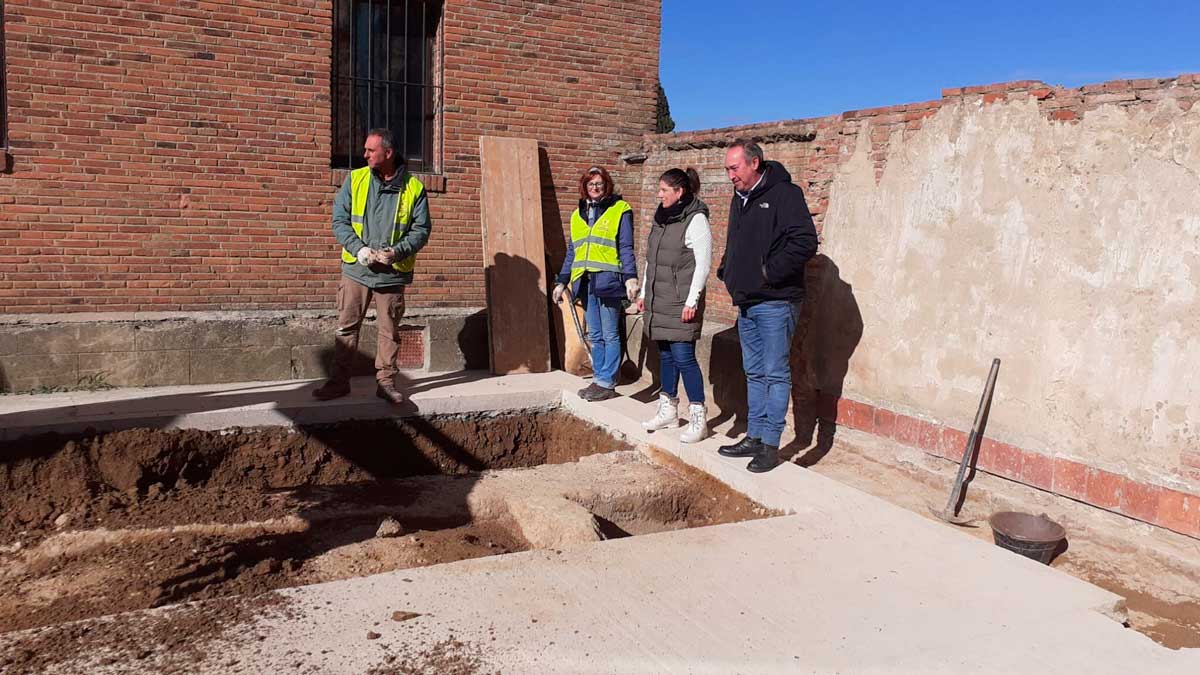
(603,317)
(679,358)
(765,331)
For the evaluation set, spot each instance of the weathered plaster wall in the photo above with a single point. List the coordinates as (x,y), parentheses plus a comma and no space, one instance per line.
(1071,251)
(1055,228)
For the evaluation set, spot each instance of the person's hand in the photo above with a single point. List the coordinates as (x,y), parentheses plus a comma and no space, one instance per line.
(689,314)
(385,256)
(641,305)
(557,293)
(365,255)
(631,289)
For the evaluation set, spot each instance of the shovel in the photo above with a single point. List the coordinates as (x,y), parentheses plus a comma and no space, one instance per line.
(950,513)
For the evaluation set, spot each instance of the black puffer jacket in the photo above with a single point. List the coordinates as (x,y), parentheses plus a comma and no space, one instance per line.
(768,241)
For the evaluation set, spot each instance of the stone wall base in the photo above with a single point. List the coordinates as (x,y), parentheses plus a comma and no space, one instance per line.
(44,352)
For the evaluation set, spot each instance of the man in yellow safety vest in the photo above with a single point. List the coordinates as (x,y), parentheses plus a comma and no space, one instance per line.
(381,219)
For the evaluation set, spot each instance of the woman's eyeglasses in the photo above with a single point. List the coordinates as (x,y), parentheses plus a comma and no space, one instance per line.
(599,185)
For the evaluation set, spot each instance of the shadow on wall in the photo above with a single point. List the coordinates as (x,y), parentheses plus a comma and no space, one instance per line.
(555,243)
(518,346)
(829,331)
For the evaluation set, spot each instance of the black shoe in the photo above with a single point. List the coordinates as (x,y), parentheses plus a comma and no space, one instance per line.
(766,459)
(604,394)
(747,447)
(589,391)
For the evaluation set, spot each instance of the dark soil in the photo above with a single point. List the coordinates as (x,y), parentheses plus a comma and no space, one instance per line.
(149,518)
(88,478)
(170,642)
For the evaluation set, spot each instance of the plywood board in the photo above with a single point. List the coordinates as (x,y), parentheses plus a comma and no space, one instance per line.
(514,256)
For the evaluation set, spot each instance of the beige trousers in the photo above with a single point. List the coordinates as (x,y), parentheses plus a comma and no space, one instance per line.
(353,300)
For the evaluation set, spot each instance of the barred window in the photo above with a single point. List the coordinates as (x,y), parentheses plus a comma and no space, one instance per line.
(3,88)
(386,74)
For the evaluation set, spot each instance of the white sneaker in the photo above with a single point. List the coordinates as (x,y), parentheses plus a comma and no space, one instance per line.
(668,414)
(697,426)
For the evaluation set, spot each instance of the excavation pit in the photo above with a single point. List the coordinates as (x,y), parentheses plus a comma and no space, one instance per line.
(98,524)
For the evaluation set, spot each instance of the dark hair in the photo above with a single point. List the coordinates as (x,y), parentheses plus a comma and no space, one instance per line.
(688,180)
(595,171)
(750,150)
(386,138)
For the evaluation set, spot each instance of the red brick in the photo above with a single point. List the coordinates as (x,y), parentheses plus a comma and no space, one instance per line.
(1037,470)
(930,437)
(1042,94)
(953,92)
(1000,458)
(854,415)
(993,98)
(1070,479)
(885,423)
(1140,500)
(1064,115)
(908,430)
(952,444)
(127,103)
(1179,511)
(1104,488)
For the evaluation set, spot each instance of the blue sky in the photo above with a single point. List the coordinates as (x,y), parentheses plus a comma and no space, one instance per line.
(743,61)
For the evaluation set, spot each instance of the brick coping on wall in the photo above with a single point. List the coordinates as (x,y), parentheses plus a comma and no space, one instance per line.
(222,315)
(1154,504)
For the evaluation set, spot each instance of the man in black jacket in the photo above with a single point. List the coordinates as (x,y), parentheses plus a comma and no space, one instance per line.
(769,239)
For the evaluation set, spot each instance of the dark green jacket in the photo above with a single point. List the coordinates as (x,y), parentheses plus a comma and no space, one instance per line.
(377,227)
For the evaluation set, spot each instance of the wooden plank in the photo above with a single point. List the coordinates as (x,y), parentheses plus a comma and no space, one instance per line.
(514,256)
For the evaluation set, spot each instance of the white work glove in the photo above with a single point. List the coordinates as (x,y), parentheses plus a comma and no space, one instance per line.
(631,289)
(365,254)
(557,293)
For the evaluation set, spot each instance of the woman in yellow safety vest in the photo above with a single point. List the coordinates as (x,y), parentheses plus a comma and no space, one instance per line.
(602,272)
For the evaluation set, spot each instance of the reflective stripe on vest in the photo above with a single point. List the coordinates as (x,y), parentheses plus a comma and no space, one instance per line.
(360,184)
(596,246)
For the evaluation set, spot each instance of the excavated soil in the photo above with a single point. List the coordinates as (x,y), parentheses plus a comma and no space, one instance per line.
(109,523)
(96,480)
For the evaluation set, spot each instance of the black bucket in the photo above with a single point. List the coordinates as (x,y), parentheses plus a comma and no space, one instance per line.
(1035,537)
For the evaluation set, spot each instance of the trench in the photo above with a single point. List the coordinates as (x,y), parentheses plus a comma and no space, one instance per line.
(98,524)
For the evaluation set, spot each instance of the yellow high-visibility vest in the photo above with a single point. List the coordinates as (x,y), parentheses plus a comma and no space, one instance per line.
(596,246)
(360,184)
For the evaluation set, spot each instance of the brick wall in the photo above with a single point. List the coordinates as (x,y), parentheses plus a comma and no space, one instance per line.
(175,156)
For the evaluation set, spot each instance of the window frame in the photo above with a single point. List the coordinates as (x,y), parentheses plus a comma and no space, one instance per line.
(3,88)
(345,145)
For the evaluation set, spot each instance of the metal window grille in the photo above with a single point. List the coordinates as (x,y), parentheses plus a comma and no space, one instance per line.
(386,74)
(3,86)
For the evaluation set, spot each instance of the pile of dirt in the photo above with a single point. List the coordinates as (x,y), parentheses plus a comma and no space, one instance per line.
(55,478)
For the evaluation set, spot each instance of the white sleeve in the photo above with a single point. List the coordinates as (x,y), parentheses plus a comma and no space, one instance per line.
(698,237)
(642,285)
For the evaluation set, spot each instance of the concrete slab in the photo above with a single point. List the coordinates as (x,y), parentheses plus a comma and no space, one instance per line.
(846,583)
(289,402)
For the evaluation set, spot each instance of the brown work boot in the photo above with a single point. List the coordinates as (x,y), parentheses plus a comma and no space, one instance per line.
(388,392)
(331,389)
